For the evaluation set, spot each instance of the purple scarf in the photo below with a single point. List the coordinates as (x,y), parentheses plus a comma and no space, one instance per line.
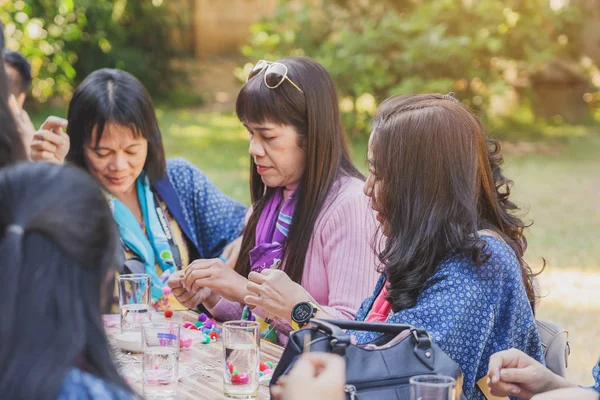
(271,231)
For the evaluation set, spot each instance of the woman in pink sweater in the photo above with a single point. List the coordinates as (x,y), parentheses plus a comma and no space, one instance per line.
(306,246)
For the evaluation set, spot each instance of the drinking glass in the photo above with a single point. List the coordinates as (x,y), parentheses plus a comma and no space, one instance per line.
(241,342)
(160,360)
(134,301)
(432,387)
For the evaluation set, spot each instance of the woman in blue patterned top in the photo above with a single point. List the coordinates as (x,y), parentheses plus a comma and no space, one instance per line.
(58,249)
(452,258)
(168,212)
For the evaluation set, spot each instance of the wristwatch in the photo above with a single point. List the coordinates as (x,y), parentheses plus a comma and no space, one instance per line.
(302,313)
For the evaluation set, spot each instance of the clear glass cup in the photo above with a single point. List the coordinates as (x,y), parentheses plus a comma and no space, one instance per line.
(432,387)
(134,301)
(160,360)
(241,343)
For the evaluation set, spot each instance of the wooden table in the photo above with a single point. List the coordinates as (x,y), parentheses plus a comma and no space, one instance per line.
(200,366)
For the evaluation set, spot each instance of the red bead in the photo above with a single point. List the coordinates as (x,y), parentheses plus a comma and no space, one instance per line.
(231,368)
(213,335)
(236,380)
(168,313)
(263,366)
(193,328)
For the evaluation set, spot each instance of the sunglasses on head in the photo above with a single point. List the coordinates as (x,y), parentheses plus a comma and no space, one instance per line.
(275,74)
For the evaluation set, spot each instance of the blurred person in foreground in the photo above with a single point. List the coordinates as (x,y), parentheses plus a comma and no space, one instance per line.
(59,248)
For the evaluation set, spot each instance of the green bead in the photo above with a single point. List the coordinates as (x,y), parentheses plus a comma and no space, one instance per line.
(198,324)
(270,364)
(236,372)
(260,374)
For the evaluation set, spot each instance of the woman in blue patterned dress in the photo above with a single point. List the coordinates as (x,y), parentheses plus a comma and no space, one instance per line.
(58,250)
(168,212)
(452,257)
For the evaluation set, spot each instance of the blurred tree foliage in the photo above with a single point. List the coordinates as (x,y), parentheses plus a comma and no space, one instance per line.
(65,40)
(377,48)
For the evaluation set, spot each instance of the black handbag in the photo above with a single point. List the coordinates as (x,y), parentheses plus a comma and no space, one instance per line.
(375,373)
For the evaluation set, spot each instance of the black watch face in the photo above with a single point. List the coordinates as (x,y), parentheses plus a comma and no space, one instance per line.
(302,313)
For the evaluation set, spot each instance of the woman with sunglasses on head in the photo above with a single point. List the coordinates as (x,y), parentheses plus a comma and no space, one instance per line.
(168,212)
(305,247)
(452,258)
(59,248)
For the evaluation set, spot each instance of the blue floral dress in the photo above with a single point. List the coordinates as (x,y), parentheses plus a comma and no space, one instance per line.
(471,312)
(80,385)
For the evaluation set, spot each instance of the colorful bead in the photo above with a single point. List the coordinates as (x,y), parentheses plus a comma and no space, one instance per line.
(193,327)
(185,342)
(206,330)
(187,325)
(213,335)
(168,313)
(236,372)
(230,367)
(270,364)
(260,374)
(209,324)
(262,366)
(202,317)
(205,339)
(198,324)
(244,378)
(166,290)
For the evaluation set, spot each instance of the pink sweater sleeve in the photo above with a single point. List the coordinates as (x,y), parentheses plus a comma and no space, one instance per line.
(226,310)
(341,255)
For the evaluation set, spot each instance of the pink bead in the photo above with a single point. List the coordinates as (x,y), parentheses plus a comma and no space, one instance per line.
(166,290)
(185,343)
(244,379)
(187,325)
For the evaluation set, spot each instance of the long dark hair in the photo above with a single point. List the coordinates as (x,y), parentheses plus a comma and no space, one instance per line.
(439,183)
(114,96)
(11,144)
(315,116)
(54,278)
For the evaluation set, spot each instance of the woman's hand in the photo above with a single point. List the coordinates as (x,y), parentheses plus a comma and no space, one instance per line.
(190,299)
(275,292)
(214,274)
(514,373)
(232,251)
(316,376)
(50,142)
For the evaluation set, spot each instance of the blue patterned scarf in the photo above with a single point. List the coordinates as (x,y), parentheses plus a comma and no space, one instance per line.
(152,248)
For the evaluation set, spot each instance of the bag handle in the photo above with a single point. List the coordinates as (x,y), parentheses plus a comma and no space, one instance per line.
(330,326)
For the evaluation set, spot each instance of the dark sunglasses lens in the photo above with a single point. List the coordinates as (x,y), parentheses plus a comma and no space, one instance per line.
(259,66)
(275,75)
